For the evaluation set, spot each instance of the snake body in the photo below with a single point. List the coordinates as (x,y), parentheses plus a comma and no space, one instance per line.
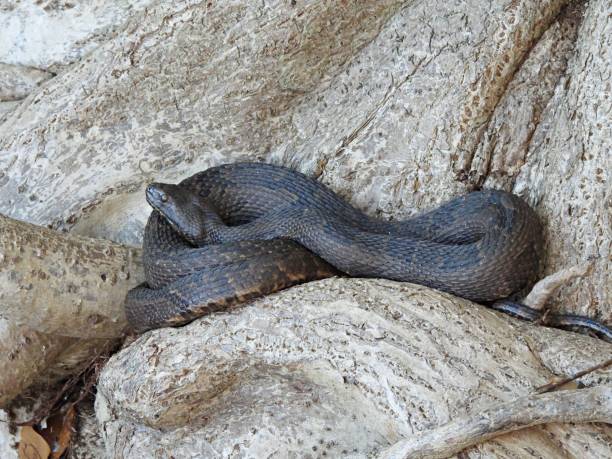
(184,282)
(238,231)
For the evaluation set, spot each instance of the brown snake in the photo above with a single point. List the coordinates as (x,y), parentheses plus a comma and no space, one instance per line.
(239,231)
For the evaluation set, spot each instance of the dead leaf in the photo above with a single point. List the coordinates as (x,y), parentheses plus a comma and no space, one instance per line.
(59,430)
(32,445)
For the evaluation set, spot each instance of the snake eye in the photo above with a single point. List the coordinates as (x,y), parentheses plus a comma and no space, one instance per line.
(163,197)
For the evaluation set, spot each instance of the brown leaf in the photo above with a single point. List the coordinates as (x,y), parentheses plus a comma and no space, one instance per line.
(59,430)
(32,445)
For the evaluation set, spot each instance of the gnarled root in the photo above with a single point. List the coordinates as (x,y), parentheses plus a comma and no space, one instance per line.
(584,405)
(62,299)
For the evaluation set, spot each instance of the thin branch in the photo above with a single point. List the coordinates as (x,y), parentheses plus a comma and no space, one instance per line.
(584,405)
(541,291)
(556,384)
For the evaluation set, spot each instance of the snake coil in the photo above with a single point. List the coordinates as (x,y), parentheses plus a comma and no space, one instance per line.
(238,231)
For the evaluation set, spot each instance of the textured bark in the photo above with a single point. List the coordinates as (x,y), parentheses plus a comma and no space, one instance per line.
(88,444)
(52,34)
(24,356)
(8,442)
(341,366)
(36,362)
(390,116)
(64,285)
(568,167)
(587,405)
(56,288)
(397,105)
(233,66)
(546,287)
(16,82)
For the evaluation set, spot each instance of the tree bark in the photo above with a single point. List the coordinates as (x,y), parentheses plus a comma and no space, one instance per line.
(342,366)
(587,405)
(65,285)
(62,300)
(396,105)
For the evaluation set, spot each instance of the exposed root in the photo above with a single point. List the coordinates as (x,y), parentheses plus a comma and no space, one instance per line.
(64,285)
(541,292)
(562,381)
(584,405)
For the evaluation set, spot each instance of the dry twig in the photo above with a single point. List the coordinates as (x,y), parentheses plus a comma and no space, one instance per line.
(583,405)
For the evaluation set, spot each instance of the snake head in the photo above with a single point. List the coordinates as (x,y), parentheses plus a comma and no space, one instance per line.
(188,213)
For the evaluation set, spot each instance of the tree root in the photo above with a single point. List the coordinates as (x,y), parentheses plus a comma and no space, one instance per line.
(64,285)
(62,300)
(583,405)
(543,289)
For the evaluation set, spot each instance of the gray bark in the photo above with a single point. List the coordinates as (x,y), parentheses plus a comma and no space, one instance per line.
(25,356)
(65,285)
(586,405)
(62,299)
(342,366)
(395,110)
(18,81)
(396,105)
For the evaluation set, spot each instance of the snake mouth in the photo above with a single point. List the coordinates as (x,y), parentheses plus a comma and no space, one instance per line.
(155,197)
(176,207)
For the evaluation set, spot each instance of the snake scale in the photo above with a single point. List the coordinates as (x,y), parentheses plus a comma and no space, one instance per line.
(239,231)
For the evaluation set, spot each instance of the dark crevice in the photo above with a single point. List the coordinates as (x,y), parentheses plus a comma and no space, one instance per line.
(574,12)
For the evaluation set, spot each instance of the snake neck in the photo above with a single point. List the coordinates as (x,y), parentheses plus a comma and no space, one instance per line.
(210,227)
(193,217)
(199,223)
